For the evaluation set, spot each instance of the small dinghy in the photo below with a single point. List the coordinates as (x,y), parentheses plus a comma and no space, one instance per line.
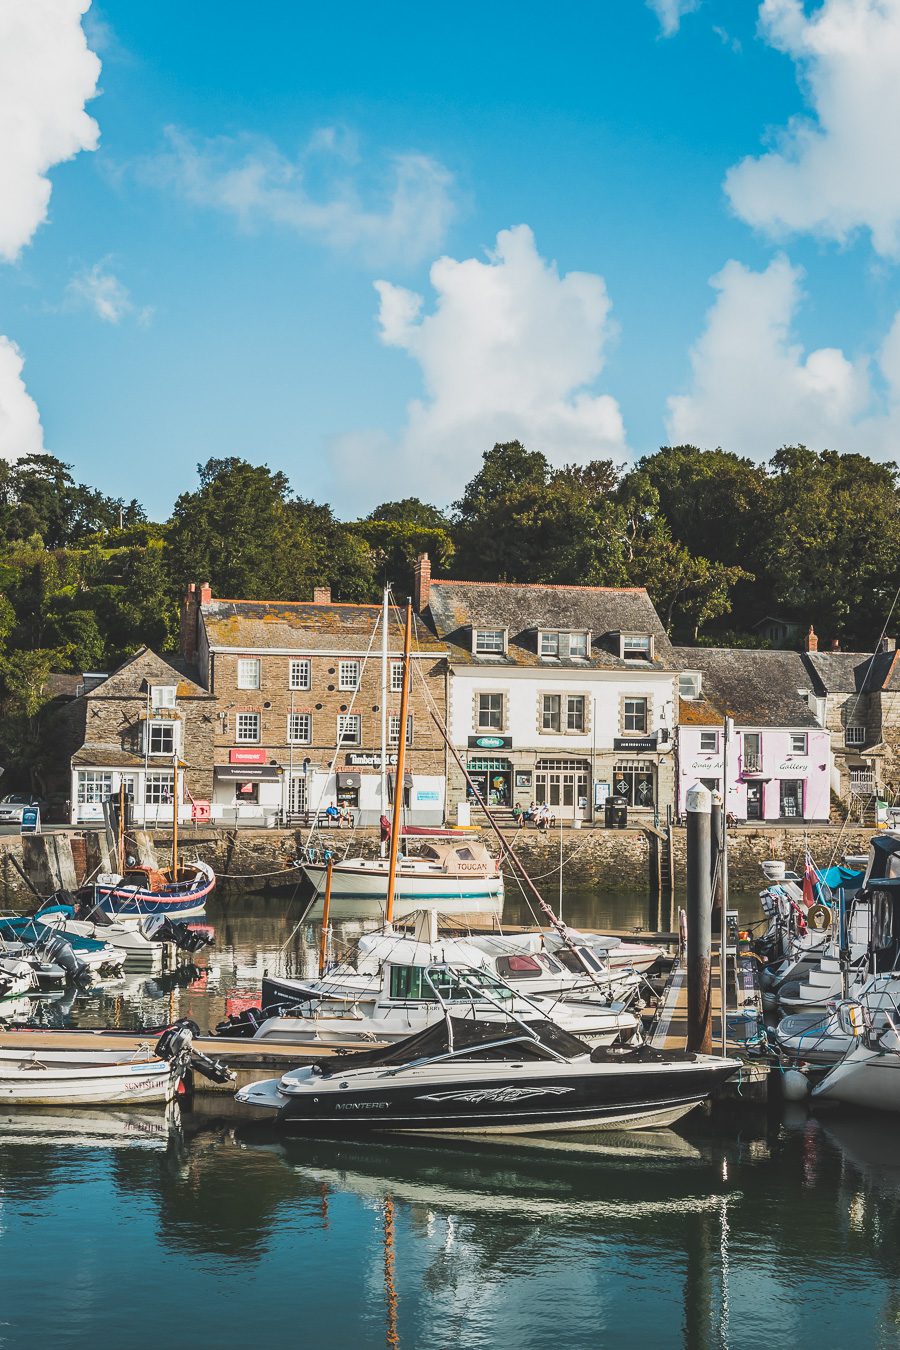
(144,892)
(62,1076)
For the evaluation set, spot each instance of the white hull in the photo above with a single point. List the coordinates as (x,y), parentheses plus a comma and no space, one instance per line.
(360,888)
(86,1078)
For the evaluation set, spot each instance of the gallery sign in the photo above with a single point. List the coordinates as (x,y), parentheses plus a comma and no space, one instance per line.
(635,744)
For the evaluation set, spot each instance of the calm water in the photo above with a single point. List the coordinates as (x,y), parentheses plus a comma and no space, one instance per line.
(128,1232)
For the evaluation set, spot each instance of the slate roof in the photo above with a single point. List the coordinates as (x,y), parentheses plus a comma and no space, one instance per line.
(147,667)
(456,607)
(251,625)
(756,688)
(853,672)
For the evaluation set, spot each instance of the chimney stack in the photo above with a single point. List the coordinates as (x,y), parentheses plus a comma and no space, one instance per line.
(205,593)
(887,644)
(835,645)
(812,642)
(321,595)
(190,610)
(422,584)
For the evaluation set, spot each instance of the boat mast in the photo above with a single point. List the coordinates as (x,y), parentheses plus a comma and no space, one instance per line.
(121,825)
(384,699)
(397,816)
(175,817)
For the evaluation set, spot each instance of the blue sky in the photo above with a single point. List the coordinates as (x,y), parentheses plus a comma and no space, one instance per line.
(204,282)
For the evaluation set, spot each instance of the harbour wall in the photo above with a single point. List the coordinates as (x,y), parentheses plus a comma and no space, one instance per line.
(609,861)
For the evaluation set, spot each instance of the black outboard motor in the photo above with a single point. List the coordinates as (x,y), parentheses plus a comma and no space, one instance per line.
(213,1069)
(56,949)
(162,929)
(243,1026)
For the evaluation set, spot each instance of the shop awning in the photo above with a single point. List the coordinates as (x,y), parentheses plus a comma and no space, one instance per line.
(347,780)
(248,773)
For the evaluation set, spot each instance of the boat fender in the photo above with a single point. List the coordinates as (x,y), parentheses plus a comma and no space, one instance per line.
(794,1085)
(770,1000)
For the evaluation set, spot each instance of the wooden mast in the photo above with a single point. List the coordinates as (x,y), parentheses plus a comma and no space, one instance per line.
(175,818)
(121,827)
(397,815)
(326,911)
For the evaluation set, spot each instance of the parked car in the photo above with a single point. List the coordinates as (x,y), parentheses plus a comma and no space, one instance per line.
(13,805)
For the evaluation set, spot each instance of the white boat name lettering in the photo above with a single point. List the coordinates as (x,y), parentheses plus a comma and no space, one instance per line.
(361,1106)
(498,1094)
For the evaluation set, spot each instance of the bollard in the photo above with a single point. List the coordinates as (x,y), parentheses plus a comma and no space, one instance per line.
(699,920)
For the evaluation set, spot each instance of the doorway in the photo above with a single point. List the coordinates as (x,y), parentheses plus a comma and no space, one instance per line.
(563,785)
(754,801)
(792,798)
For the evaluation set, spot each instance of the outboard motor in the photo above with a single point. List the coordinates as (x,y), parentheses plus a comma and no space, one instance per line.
(213,1069)
(162,929)
(176,1041)
(245,1024)
(60,952)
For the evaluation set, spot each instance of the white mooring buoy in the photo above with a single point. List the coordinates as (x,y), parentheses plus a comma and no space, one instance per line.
(794,1085)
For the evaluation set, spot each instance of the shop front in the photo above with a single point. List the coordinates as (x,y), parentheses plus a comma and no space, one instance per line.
(492,779)
(247,794)
(562,784)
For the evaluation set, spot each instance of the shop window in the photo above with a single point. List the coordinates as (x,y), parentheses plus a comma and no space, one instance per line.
(634,714)
(396,677)
(93,787)
(394,730)
(634,780)
(490,641)
(299,728)
(348,675)
(349,729)
(163,695)
(299,676)
(799,742)
(158,789)
(637,646)
(791,798)
(490,712)
(246,794)
(709,742)
(246,727)
(248,672)
(160,738)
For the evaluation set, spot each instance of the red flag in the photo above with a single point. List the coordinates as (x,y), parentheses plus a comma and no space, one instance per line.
(809,879)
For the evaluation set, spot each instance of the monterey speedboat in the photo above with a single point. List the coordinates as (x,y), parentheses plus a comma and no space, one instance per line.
(465,1076)
(142,892)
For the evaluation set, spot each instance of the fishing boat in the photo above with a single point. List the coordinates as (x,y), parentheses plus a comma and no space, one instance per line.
(464,1076)
(51,1075)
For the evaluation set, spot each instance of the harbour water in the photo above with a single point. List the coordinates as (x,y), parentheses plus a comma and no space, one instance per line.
(123,1230)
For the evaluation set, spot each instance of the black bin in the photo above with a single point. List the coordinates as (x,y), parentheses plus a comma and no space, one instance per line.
(615,813)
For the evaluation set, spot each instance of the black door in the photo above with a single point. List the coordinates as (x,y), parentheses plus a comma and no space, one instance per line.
(754,801)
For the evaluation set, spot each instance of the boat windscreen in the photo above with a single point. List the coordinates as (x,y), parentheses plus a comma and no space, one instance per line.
(467,1035)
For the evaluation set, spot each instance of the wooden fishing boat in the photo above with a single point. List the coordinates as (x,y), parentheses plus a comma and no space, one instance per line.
(142,892)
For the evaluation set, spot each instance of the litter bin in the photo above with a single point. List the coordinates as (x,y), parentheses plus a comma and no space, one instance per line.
(615,813)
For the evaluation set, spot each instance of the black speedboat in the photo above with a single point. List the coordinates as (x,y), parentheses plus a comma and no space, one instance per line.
(512,1076)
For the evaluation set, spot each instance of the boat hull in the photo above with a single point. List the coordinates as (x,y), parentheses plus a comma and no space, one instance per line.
(55,1079)
(362,890)
(514,1102)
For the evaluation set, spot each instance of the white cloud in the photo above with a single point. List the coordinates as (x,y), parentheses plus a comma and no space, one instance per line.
(754,389)
(834,172)
(671,12)
(397,211)
(20,422)
(509,351)
(101,290)
(47,73)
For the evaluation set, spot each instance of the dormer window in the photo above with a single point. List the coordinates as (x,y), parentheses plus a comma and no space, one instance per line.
(689,684)
(637,647)
(559,643)
(489,641)
(163,695)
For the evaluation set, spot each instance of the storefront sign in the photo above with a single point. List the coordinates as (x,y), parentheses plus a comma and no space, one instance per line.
(427,796)
(366,761)
(636,744)
(708,766)
(490,742)
(244,755)
(255,773)
(792,768)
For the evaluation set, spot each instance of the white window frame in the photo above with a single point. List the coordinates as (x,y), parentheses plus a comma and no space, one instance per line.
(247,728)
(480,638)
(394,729)
(575,699)
(162,785)
(489,726)
(711,739)
(855,734)
(300,673)
(248,672)
(799,743)
(396,684)
(549,643)
(163,695)
(635,731)
(161,724)
(349,729)
(551,710)
(580,656)
(637,647)
(348,676)
(299,728)
(689,691)
(93,786)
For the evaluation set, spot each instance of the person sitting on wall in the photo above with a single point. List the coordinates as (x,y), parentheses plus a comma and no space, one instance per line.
(346,815)
(518,817)
(333,814)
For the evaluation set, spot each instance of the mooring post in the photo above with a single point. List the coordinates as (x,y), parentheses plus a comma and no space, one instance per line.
(716,859)
(699,920)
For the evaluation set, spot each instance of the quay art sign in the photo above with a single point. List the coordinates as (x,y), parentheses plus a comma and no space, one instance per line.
(709,765)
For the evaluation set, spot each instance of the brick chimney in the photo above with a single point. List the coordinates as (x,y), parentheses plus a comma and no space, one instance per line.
(887,644)
(812,642)
(321,595)
(195,596)
(422,583)
(835,645)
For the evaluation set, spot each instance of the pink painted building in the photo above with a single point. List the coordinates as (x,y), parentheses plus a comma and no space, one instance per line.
(779,754)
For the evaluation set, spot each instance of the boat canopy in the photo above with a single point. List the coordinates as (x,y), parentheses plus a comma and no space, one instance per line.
(470,858)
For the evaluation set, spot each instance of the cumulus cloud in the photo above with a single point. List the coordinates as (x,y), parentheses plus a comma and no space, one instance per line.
(834,172)
(755,389)
(99,289)
(398,210)
(509,350)
(671,12)
(20,422)
(47,73)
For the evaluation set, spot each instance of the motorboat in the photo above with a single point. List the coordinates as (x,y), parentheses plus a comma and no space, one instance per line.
(140,892)
(127,938)
(78,956)
(610,952)
(409,999)
(465,1076)
(869,1073)
(821,1038)
(452,877)
(52,1074)
(16,978)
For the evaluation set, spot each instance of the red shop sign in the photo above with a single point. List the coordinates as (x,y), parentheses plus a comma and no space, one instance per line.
(244,755)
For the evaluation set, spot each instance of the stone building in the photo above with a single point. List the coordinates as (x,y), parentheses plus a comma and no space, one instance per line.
(779,755)
(558,694)
(860,696)
(298,699)
(128,728)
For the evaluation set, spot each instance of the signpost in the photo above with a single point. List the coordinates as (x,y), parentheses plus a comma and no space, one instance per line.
(31,820)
